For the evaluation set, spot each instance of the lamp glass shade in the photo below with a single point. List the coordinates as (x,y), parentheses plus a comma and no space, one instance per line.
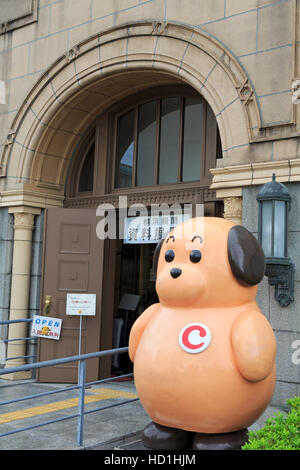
(279,229)
(266,229)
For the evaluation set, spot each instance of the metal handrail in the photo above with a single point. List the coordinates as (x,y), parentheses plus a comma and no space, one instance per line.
(82,358)
(30,338)
(8,322)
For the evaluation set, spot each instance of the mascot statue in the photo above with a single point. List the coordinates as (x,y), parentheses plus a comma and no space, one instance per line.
(204,356)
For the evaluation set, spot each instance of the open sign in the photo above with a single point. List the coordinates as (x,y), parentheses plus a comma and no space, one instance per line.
(46,327)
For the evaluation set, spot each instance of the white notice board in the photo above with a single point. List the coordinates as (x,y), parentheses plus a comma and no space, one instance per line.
(81,304)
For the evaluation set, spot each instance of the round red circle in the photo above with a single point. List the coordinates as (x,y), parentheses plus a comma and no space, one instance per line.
(194,338)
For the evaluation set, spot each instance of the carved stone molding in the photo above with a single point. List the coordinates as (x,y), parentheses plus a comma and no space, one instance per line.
(23,221)
(245,92)
(10,137)
(159,27)
(24,217)
(233,209)
(71,54)
(186,196)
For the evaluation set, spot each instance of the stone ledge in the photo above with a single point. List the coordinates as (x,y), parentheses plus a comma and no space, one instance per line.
(231,179)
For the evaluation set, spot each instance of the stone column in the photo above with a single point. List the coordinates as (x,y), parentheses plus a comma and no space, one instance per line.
(233,209)
(20,286)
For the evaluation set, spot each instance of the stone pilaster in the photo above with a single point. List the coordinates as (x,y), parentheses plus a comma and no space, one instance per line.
(20,286)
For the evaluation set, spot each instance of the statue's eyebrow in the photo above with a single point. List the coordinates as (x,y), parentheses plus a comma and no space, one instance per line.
(197,236)
(172,236)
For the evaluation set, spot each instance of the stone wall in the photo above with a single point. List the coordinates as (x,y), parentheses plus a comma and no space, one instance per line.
(260,34)
(285,321)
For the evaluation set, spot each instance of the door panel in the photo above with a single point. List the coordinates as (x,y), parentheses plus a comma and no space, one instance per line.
(72,263)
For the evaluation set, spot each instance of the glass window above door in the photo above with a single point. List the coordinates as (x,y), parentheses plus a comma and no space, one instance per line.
(87,171)
(160,142)
(169,140)
(124,150)
(162,138)
(146,144)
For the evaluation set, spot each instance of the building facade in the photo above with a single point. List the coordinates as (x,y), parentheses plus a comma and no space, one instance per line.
(161,101)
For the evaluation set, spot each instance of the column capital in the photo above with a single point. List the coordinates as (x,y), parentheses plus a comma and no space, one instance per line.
(233,209)
(24,216)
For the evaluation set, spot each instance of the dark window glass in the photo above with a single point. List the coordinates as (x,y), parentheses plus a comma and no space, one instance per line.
(124,150)
(192,139)
(146,144)
(87,172)
(169,140)
(219,146)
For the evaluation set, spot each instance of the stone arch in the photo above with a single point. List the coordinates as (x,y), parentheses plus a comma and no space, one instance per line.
(105,68)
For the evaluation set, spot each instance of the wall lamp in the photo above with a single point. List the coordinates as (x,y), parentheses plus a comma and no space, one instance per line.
(274,203)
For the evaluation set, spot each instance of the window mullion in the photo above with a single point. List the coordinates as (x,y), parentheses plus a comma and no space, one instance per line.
(180,136)
(135,146)
(157,146)
(204,152)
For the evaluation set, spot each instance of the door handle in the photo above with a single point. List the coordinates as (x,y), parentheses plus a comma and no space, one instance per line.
(47,304)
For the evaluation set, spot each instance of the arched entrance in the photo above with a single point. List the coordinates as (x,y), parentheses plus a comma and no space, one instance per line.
(153,146)
(54,125)
(104,69)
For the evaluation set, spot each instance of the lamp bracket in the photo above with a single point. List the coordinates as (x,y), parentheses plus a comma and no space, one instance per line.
(282,277)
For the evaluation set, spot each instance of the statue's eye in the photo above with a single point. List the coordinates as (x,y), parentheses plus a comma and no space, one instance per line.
(195,256)
(169,256)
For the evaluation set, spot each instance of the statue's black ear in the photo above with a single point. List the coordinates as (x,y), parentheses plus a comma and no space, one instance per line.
(246,256)
(156,255)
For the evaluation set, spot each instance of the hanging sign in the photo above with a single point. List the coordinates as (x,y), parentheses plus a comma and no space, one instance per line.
(81,304)
(46,327)
(150,229)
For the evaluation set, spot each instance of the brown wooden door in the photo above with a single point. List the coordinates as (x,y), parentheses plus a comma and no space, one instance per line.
(72,263)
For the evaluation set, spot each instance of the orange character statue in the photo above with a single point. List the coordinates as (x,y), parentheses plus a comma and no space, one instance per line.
(204,356)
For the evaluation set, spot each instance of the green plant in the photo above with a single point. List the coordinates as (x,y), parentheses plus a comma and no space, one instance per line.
(280,432)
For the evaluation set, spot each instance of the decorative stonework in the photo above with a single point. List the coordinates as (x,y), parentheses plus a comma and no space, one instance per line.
(252,174)
(233,209)
(159,27)
(187,196)
(245,92)
(71,54)
(24,221)
(10,137)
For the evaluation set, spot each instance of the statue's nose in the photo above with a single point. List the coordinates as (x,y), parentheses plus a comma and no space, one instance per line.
(175,272)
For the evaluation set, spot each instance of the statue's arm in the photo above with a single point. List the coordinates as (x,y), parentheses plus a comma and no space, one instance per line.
(138,328)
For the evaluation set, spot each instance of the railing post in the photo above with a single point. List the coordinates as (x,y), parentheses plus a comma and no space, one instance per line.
(82,373)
